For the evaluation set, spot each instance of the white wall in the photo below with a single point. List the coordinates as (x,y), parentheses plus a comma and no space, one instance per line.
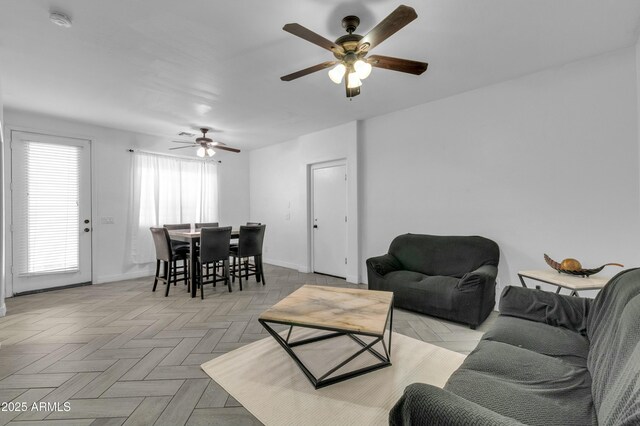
(637,52)
(3,308)
(111,186)
(547,163)
(279,188)
(233,188)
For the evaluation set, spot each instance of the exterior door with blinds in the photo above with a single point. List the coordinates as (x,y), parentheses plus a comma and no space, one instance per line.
(51,211)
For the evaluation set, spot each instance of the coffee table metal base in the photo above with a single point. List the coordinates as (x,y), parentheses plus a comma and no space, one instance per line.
(325,379)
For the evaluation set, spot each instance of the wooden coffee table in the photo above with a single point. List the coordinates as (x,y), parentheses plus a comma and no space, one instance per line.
(361,315)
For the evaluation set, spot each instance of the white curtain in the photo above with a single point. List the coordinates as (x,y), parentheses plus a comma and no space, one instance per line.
(168,190)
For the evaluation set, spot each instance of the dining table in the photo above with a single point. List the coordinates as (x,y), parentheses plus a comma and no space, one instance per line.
(193,238)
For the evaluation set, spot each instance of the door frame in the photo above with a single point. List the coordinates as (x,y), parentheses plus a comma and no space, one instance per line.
(8,196)
(310,216)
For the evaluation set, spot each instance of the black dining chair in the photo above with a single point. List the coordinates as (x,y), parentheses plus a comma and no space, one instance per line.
(214,250)
(249,245)
(207,225)
(175,244)
(169,257)
(178,226)
(173,227)
(235,244)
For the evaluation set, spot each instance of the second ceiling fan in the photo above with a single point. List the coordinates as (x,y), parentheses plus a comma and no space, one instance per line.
(350,50)
(206,146)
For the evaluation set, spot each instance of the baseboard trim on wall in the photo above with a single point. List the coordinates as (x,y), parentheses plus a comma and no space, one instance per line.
(353,279)
(149,272)
(286,265)
(126,276)
(44,290)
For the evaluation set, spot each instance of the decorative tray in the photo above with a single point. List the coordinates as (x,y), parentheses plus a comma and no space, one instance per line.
(582,272)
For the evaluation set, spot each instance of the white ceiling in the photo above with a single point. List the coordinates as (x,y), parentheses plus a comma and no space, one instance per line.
(163,66)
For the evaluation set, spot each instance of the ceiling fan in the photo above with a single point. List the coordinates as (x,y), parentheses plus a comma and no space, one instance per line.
(351,50)
(206,146)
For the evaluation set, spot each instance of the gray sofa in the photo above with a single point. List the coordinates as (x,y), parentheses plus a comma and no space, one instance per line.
(548,360)
(451,277)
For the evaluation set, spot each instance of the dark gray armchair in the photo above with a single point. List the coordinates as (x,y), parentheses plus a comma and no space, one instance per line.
(451,277)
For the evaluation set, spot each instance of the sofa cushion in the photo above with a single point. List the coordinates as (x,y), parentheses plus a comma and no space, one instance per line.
(530,387)
(554,309)
(614,357)
(541,338)
(423,404)
(453,256)
(415,291)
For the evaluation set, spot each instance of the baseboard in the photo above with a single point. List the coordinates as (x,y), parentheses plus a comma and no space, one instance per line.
(45,290)
(3,310)
(353,279)
(149,272)
(285,265)
(124,276)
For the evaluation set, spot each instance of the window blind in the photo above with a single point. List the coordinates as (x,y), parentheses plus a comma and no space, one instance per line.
(47,236)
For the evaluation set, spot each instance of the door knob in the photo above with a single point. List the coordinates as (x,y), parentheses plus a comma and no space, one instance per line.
(87,229)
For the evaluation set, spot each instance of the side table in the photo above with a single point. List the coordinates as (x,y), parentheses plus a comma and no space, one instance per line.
(569,282)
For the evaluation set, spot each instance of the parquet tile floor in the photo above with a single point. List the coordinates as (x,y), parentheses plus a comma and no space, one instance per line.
(120,354)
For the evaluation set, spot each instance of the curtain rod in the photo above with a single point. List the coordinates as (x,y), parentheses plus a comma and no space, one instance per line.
(174,156)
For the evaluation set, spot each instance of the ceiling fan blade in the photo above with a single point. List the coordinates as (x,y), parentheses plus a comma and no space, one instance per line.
(226,148)
(307,71)
(397,64)
(217,143)
(182,147)
(310,36)
(183,142)
(388,26)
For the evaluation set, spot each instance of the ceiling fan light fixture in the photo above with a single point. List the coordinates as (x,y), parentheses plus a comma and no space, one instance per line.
(336,74)
(353,81)
(362,69)
(205,145)
(351,50)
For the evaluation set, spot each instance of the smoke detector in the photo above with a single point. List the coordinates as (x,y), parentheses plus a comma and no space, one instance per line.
(60,19)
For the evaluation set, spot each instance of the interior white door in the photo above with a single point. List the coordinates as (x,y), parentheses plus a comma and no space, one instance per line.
(330,220)
(51,211)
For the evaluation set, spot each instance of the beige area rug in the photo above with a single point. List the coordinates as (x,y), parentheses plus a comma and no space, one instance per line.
(268,383)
